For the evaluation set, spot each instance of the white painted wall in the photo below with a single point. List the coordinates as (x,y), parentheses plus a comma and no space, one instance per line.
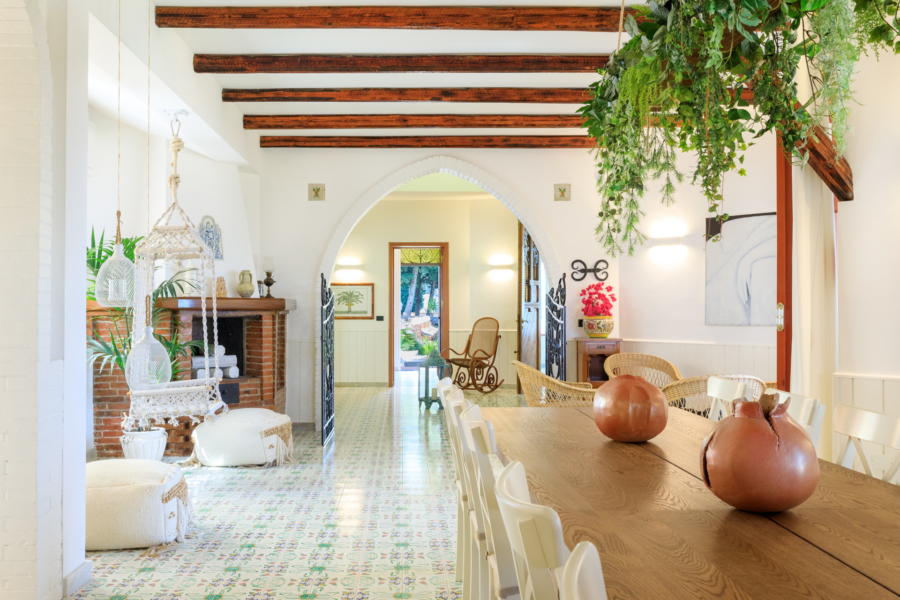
(476,228)
(868,253)
(663,284)
(225,191)
(305,237)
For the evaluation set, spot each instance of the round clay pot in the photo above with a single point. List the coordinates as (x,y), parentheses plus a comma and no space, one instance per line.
(630,409)
(760,462)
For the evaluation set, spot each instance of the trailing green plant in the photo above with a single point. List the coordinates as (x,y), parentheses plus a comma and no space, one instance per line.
(878,24)
(710,77)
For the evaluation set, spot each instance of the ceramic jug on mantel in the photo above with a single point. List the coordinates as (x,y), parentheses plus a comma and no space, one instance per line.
(245,286)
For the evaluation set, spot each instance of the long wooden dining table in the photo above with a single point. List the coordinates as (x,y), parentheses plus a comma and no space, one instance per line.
(661,534)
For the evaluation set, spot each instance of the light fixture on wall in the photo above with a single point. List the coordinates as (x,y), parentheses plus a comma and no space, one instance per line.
(502,267)
(349,269)
(349,261)
(666,241)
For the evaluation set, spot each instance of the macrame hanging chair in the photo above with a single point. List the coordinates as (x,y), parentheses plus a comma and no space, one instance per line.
(172,242)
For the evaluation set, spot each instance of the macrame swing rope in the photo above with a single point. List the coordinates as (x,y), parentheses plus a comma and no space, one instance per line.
(171,242)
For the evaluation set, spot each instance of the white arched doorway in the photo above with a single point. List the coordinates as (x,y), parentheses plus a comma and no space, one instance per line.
(505,193)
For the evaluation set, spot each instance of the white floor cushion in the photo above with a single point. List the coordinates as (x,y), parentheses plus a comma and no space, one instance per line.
(244,436)
(135,503)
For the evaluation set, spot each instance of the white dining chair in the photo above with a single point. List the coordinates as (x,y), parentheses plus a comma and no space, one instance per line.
(808,412)
(454,406)
(443,388)
(476,578)
(535,536)
(722,392)
(501,571)
(582,576)
(865,426)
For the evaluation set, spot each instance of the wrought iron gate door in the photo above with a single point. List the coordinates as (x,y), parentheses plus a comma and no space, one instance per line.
(327,332)
(556,330)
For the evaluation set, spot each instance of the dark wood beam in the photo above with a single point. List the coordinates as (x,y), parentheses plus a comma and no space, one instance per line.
(832,168)
(431,141)
(394,63)
(484,94)
(495,18)
(407,120)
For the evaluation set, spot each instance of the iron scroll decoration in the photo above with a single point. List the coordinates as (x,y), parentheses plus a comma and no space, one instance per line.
(555,339)
(327,333)
(580,270)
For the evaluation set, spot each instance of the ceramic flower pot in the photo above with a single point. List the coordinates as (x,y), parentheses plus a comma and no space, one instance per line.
(598,327)
(630,409)
(150,445)
(759,459)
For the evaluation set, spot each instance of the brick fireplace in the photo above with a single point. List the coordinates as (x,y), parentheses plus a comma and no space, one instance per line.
(253,329)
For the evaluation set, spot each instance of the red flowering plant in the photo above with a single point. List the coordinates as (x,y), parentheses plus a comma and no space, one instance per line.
(597,300)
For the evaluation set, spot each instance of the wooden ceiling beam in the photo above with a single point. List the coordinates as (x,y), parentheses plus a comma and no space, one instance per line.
(430,141)
(347,121)
(395,63)
(431,94)
(493,18)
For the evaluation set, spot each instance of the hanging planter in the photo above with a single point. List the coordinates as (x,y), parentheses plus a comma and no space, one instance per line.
(709,78)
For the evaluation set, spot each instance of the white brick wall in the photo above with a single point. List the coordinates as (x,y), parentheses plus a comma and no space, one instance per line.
(875,393)
(30,502)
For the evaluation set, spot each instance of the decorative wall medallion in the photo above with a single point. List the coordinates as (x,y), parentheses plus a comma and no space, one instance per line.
(562,192)
(316,191)
(580,270)
(211,234)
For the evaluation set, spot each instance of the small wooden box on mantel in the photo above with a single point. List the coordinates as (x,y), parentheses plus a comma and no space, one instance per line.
(592,353)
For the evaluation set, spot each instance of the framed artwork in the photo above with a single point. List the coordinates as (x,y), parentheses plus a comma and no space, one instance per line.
(741,270)
(211,234)
(354,300)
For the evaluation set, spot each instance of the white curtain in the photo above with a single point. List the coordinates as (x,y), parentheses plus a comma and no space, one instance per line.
(814,294)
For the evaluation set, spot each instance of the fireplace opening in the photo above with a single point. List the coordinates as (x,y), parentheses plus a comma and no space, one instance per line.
(231,336)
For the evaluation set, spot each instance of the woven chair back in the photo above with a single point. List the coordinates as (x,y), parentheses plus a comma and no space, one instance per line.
(484,337)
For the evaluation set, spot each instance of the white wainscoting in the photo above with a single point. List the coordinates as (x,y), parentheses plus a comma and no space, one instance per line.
(706,358)
(361,355)
(876,393)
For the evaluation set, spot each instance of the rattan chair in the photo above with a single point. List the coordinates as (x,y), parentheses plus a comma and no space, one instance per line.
(543,390)
(654,369)
(475,368)
(689,394)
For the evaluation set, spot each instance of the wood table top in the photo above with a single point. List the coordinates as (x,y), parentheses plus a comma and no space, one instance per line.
(662,534)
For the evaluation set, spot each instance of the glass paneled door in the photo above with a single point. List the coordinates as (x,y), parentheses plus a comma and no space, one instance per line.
(419,303)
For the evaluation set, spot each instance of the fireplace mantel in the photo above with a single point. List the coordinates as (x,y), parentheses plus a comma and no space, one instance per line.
(250,305)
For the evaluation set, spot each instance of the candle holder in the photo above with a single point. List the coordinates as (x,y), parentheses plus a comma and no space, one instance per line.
(269,282)
(260,286)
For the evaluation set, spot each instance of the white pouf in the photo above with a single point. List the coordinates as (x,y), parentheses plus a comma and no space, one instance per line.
(135,503)
(242,437)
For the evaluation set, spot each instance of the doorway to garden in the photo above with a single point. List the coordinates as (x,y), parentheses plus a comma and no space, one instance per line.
(420,298)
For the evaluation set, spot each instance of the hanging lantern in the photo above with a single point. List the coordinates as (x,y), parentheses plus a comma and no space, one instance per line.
(148,363)
(115,279)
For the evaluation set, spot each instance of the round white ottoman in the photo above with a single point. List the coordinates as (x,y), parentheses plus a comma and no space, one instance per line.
(244,436)
(135,503)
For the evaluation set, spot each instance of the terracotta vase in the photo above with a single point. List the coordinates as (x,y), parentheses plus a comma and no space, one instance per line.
(759,459)
(630,409)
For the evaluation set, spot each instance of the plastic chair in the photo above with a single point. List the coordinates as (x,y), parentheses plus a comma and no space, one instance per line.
(475,368)
(807,411)
(535,536)
(866,426)
(723,391)
(454,406)
(542,390)
(690,394)
(582,577)
(753,386)
(492,561)
(654,369)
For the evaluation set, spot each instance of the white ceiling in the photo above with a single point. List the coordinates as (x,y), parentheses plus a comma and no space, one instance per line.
(369,41)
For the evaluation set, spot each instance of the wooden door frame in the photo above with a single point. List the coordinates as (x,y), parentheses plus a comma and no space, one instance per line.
(784,210)
(519,301)
(445,298)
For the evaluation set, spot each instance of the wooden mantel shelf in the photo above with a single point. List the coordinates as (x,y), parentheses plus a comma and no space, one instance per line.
(227,304)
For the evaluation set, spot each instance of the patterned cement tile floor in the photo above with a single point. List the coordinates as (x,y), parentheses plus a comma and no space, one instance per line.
(372,518)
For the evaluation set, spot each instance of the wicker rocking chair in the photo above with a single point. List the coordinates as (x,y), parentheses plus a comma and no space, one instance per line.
(475,368)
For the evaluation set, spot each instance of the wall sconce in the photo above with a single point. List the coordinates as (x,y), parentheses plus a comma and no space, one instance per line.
(668,254)
(349,261)
(500,275)
(667,229)
(501,259)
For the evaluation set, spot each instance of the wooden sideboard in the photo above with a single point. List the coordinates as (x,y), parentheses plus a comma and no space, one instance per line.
(592,353)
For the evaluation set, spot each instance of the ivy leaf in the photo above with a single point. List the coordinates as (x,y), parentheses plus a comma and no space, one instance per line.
(738,114)
(810,5)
